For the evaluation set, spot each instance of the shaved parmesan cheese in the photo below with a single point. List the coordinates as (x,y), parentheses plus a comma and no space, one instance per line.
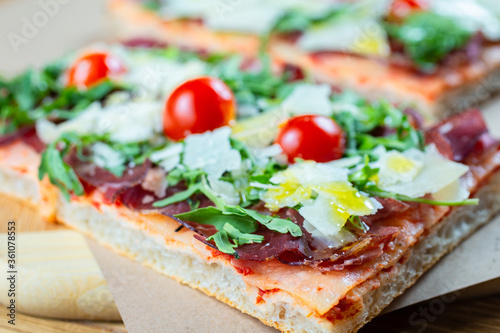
(107,157)
(365,37)
(342,238)
(345,162)
(157,78)
(436,174)
(261,156)
(245,17)
(83,124)
(128,122)
(331,209)
(309,99)
(224,190)
(185,8)
(211,152)
(357,30)
(310,174)
(255,17)
(261,130)
(326,196)
(324,216)
(399,167)
(168,158)
(455,191)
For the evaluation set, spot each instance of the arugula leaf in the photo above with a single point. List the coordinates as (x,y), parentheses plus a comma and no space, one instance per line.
(234,223)
(19,96)
(60,174)
(218,218)
(428,37)
(354,222)
(363,176)
(272,223)
(256,87)
(360,128)
(221,239)
(178,197)
(237,224)
(179,174)
(241,238)
(230,238)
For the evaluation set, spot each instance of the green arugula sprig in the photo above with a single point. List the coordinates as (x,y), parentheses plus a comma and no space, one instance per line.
(235,225)
(363,181)
(359,128)
(59,172)
(260,88)
(428,37)
(355,223)
(19,96)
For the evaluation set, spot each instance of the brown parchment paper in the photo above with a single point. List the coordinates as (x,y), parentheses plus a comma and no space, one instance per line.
(151,302)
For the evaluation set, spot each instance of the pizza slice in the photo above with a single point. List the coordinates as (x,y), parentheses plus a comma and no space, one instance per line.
(308,209)
(442,56)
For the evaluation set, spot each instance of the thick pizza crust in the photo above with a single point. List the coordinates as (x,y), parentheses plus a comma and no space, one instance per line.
(176,258)
(19,185)
(436,97)
(18,179)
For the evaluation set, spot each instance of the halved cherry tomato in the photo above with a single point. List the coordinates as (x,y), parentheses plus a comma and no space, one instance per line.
(199,105)
(93,68)
(402,8)
(312,137)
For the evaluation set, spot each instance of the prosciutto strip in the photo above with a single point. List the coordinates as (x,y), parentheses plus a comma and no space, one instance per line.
(456,137)
(27,134)
(93,176)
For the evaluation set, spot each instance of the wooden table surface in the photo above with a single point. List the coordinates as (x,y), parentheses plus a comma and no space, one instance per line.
(477,315)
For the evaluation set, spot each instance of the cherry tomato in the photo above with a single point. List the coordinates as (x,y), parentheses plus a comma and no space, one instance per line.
(199,105)
(312,137)
(93,68)
(402,8)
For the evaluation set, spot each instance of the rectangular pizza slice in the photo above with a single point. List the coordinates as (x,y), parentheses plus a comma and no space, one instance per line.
(442,56)
(308,209)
